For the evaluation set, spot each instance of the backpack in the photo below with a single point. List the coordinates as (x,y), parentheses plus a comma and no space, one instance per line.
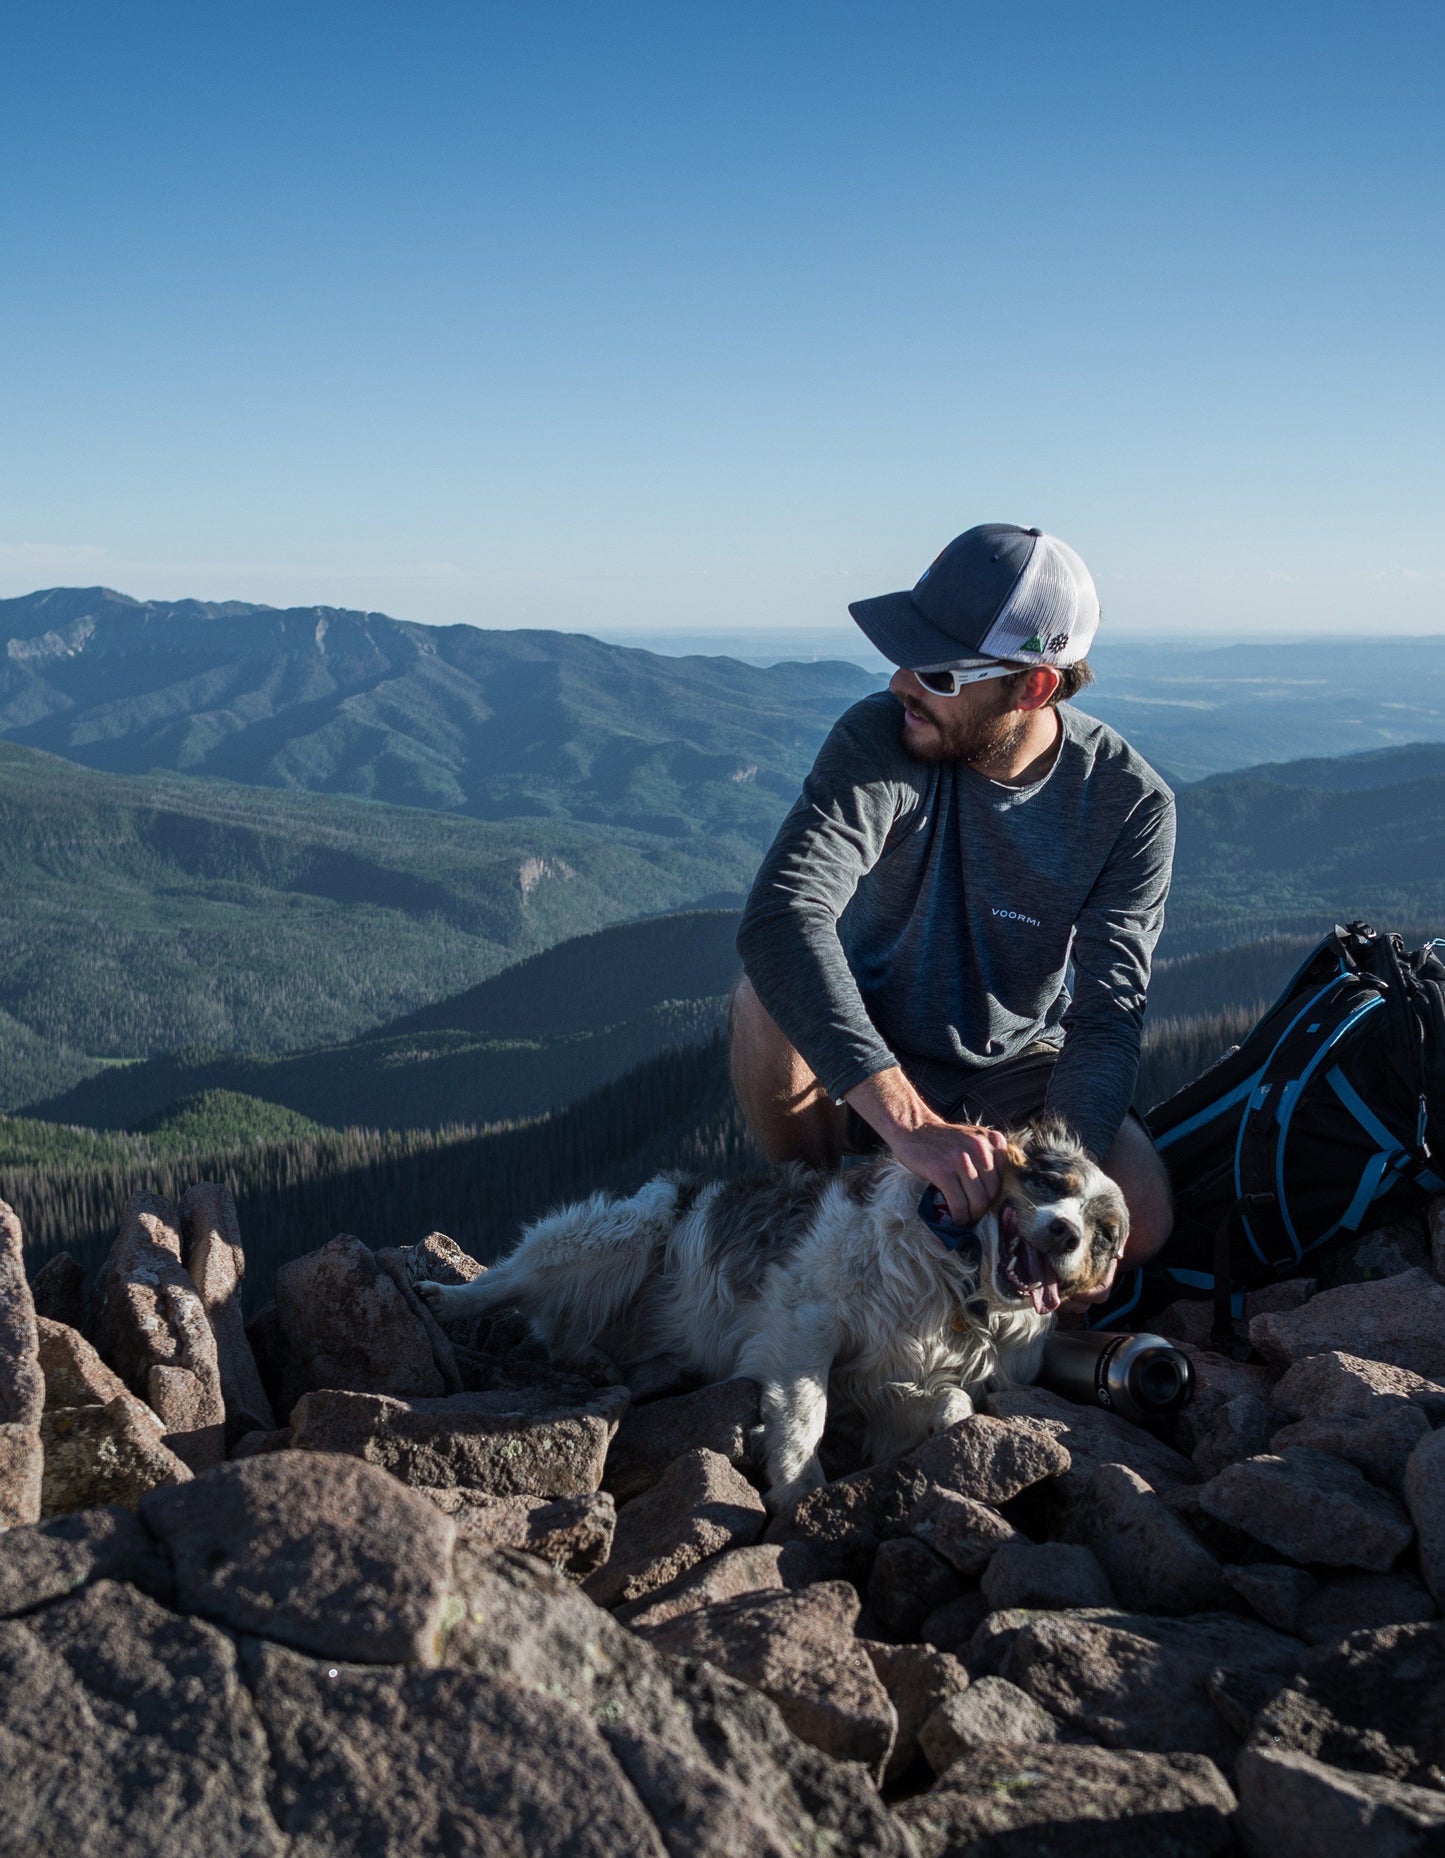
(1330,1113)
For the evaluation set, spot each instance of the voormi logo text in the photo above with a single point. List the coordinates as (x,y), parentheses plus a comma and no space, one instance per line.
(1017,916)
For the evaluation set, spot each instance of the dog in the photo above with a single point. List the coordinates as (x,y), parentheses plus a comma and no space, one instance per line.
(828,1289)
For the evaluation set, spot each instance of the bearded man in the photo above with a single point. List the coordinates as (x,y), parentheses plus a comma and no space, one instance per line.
(963,841)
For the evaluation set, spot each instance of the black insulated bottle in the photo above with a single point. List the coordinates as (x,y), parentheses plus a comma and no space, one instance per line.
(1140,1377)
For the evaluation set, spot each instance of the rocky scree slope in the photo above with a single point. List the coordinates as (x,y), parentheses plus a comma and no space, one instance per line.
(348,1582)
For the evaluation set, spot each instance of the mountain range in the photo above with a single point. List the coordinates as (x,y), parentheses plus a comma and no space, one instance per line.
(488,724)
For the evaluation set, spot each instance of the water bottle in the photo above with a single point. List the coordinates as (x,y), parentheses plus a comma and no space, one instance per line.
(1140,1377)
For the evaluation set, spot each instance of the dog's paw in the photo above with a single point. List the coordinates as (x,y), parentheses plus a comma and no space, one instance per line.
(952,1407)
(782,1496)
(755,1442)
(435,1296)
(596,1367)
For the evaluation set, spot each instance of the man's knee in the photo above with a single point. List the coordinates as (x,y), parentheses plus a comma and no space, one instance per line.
(1137,1166)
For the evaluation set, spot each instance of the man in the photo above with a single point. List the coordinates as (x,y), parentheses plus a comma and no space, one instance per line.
(960,840)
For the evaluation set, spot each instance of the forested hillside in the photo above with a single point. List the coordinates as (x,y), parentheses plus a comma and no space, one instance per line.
(142,914)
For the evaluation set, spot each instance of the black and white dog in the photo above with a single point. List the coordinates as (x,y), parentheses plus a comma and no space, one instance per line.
(823,1288)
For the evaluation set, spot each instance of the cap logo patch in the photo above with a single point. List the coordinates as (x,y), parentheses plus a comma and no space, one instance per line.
(1032,644)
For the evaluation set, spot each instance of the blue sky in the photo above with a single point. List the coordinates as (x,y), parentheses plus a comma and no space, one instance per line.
(714,317)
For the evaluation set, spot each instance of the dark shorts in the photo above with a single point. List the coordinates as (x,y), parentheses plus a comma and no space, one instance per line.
(1002,1097)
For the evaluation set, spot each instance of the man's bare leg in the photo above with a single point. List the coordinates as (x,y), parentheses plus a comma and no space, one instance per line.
(791,1116)
(1134,1163)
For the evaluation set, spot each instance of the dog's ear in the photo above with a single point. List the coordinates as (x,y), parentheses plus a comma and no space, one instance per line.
(1015,1156)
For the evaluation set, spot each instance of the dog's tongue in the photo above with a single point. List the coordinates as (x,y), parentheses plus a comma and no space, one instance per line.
(1043,1281)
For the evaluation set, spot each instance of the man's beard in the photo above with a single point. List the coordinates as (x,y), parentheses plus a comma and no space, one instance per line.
(985,743)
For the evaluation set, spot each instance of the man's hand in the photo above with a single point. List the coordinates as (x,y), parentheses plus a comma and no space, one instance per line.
(960,1159)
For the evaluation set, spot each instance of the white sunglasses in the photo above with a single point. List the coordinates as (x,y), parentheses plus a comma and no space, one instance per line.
(947,680)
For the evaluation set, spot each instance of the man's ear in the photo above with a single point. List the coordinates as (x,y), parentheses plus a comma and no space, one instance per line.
(1038,686)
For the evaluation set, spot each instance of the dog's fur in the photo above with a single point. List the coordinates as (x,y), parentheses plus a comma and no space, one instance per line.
(827,1289)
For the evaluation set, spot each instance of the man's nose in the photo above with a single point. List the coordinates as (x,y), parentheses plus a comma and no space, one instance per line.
(903,683)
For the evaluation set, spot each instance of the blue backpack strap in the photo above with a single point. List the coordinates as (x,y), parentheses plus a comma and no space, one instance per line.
(1259,1171)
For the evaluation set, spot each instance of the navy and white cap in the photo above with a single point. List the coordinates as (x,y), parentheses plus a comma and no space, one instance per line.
(997,591)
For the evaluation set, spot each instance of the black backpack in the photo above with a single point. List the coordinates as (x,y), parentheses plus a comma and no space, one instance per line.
(1331,1113)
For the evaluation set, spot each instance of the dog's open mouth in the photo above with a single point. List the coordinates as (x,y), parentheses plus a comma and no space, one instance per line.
(1024,1271)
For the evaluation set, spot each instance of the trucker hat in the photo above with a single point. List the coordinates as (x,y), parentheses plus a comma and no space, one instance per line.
(997,591)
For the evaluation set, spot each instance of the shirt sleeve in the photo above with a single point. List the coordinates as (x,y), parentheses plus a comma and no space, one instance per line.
(788,936)
(1093,1081)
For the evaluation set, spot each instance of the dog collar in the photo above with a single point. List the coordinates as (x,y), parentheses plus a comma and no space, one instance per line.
(934,1214)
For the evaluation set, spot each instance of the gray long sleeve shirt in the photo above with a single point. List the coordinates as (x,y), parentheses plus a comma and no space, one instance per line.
(918,913)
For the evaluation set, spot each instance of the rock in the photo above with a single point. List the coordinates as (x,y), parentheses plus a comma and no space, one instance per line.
(441,1260)
(763,1567)
(1293,1807)
(1052,1802)
(438,1259)
(22,1385)
(965,1532)
(919,1682)
(989,1459)
(1336,1385)
(1370,1702)
(1222,1374)
(1311,1507)
(951,1626)
(1134,1680)
(702,1750)
(252,1444)
(151,1327)
(799,1650)
(908,1583)
(505,1443)
(151,1742)
(1384,1252)
(1399,1320)
(1277,1593)
(1425,1499)
(268,1346)
(394,1763)
(1093,1437)
(1222,1540)
(1187,1319)
(1379,1444)
(212,1254)
(104,1454)
(1051,1574)
(572,1534)
(58,1289)
(992,1710)
(46,1561)
(1339,1604)
(716,1419)
(1288,1294)
(323,1553)
(74,1373)
(699,1507)
(843,1522)
(1146,1551)
(1241,1428)
(346,1325)
(21,1460)
(394,1262)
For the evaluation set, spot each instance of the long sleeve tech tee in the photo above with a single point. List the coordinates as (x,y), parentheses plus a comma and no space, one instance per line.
(917,913)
